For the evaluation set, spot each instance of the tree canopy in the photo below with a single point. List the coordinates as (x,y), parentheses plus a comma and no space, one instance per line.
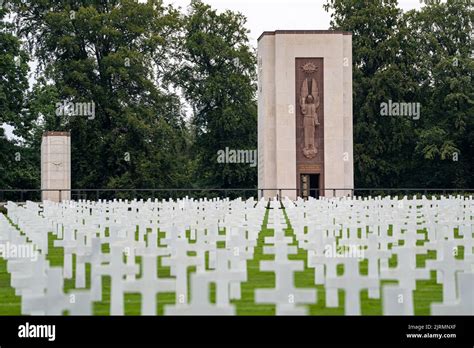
(419,56)
(170,88)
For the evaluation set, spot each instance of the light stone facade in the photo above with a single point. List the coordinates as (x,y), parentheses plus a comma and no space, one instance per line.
(277,52)
(56,166)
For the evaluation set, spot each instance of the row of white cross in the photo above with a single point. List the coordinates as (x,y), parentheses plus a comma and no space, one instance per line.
(218,238)
(39,285)
(377,229)
(131,230)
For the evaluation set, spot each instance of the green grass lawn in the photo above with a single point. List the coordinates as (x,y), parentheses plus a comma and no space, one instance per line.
(426,293)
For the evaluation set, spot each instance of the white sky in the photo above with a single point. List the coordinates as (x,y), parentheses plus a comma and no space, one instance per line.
(270,15)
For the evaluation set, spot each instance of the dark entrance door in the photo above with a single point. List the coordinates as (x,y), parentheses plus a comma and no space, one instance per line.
(309,185)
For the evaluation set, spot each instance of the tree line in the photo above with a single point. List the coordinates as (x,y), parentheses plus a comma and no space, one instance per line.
(171,88)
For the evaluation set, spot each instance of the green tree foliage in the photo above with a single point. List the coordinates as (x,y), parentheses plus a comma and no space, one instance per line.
(115,54)
(443,69)
(418,56)
(170,90)
(218,78)
(18,167)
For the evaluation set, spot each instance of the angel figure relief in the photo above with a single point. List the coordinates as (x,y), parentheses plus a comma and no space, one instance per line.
(309,103)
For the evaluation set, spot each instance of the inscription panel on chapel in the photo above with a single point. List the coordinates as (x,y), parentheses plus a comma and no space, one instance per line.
(309,97)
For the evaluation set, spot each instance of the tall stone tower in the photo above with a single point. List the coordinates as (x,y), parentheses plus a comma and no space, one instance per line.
(305,142)
(56,166)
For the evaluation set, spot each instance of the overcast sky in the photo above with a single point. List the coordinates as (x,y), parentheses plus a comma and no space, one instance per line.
(270,15)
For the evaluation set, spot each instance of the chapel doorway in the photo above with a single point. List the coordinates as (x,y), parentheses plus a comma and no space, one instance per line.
(309,185)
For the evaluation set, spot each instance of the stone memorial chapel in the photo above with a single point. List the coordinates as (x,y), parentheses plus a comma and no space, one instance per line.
(305,143)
